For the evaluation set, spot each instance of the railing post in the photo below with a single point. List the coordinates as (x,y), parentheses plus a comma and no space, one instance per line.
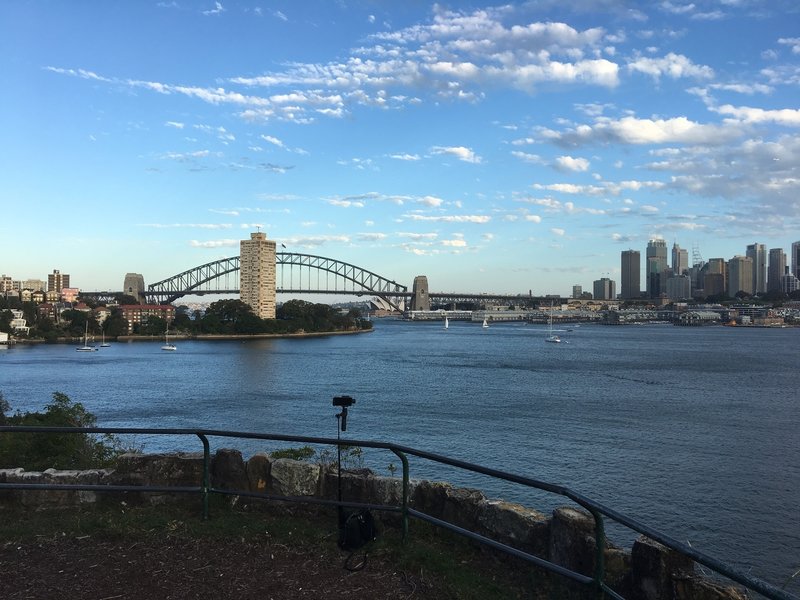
(600,555)
(206,476)
(404,510)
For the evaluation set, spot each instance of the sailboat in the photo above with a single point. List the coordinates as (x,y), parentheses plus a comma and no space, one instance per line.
(485,323)
(552,338)
(104,343)
(167,345)
(86,347)
(446,322)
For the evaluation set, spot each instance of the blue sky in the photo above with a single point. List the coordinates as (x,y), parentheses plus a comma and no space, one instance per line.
(493,148)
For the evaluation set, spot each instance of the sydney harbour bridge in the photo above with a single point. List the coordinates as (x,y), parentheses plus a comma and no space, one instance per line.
(300,274)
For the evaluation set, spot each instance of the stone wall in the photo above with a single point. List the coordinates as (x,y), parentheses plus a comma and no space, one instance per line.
(649,571)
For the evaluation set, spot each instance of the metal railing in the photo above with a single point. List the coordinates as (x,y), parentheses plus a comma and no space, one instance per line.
(596,509)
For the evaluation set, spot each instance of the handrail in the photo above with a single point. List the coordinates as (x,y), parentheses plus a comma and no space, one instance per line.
(595,508)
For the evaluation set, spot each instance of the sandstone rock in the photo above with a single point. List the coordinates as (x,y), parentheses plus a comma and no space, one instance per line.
(690,587)
(228,471)
(516,525)
(258,472)
(653,568)
(294,478)
(572,540)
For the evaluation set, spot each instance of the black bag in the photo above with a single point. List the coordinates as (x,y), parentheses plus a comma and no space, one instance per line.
(356,529)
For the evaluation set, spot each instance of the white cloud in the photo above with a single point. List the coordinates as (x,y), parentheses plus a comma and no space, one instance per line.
(218,9)
(793,43)
(187,225)
(174,124)
(214,244)
(568,163)
(409,157)
(533,218)
(557,231)
(632,130)
(431,201)
(457,243)
(460,152)
(346,203)
(272,140)
(786,116)
(672,65)
(450,218)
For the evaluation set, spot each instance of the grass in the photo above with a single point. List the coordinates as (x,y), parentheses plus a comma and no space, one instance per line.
(462,569)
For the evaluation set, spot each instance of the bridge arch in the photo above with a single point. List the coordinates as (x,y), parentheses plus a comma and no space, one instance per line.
(332,277)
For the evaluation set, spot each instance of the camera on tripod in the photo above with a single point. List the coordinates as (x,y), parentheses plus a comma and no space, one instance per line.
(343,401)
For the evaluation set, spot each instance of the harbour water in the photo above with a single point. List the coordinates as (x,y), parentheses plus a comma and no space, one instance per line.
(693,431)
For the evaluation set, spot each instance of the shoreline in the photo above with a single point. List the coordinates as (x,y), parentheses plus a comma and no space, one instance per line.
(199,337)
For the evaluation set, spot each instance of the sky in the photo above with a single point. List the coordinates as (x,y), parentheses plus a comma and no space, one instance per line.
(499,148)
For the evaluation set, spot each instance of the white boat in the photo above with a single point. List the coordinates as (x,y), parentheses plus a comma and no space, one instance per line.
(167,345)
(104,343)
(86,347)
(485,323)
(552,338)
(446,322)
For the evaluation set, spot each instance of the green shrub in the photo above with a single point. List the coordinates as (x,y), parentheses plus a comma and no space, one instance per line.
(40,451)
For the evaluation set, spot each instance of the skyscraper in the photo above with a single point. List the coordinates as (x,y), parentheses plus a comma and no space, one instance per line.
(604,289)
(656,267)
(758,252)
(630,274)
(680,260)
(740,275)
(776,269)
(257,282)
(796,259)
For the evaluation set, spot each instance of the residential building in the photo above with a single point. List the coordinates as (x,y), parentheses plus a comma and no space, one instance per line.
(740,275)
(257,274)
(577,290)
(57,281)
(758,253)
(713,284)
(630,275)
(6,284)
(136,314)
(604,289)
(34,285)
(776,269)
(789,283)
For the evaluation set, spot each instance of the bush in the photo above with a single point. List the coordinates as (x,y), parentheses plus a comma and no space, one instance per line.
(40,451)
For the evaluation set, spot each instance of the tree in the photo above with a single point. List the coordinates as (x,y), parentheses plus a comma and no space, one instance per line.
(115,324)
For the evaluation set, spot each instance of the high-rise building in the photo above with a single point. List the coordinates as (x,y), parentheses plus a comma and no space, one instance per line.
(6,284)
(796,259)
(577,290)
(257,280)
(604,289)
(680,260)
(630,275)
(679,287)
(57,281)
(758,253)
(656,267)
(740,275)
(776,269)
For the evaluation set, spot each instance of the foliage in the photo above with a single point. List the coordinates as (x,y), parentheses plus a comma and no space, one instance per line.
(304,453)
(40,451)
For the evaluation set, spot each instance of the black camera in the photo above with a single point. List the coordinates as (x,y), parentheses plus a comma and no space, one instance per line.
(343,401)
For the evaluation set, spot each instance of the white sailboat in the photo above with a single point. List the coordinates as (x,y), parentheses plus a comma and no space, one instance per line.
(485,323)
(86,347)
(104,343)
(167,345)
(552,338)
(446,322)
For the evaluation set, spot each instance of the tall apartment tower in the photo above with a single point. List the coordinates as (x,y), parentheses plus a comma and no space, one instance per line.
(796,259)
(680,260)
(257,280)
(776,269)
(630,286)
(577,291)
(740,275)
(57,281)
(656,267)
(758,252)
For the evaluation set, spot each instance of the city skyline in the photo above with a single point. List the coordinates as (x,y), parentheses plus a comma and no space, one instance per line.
(495,148)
